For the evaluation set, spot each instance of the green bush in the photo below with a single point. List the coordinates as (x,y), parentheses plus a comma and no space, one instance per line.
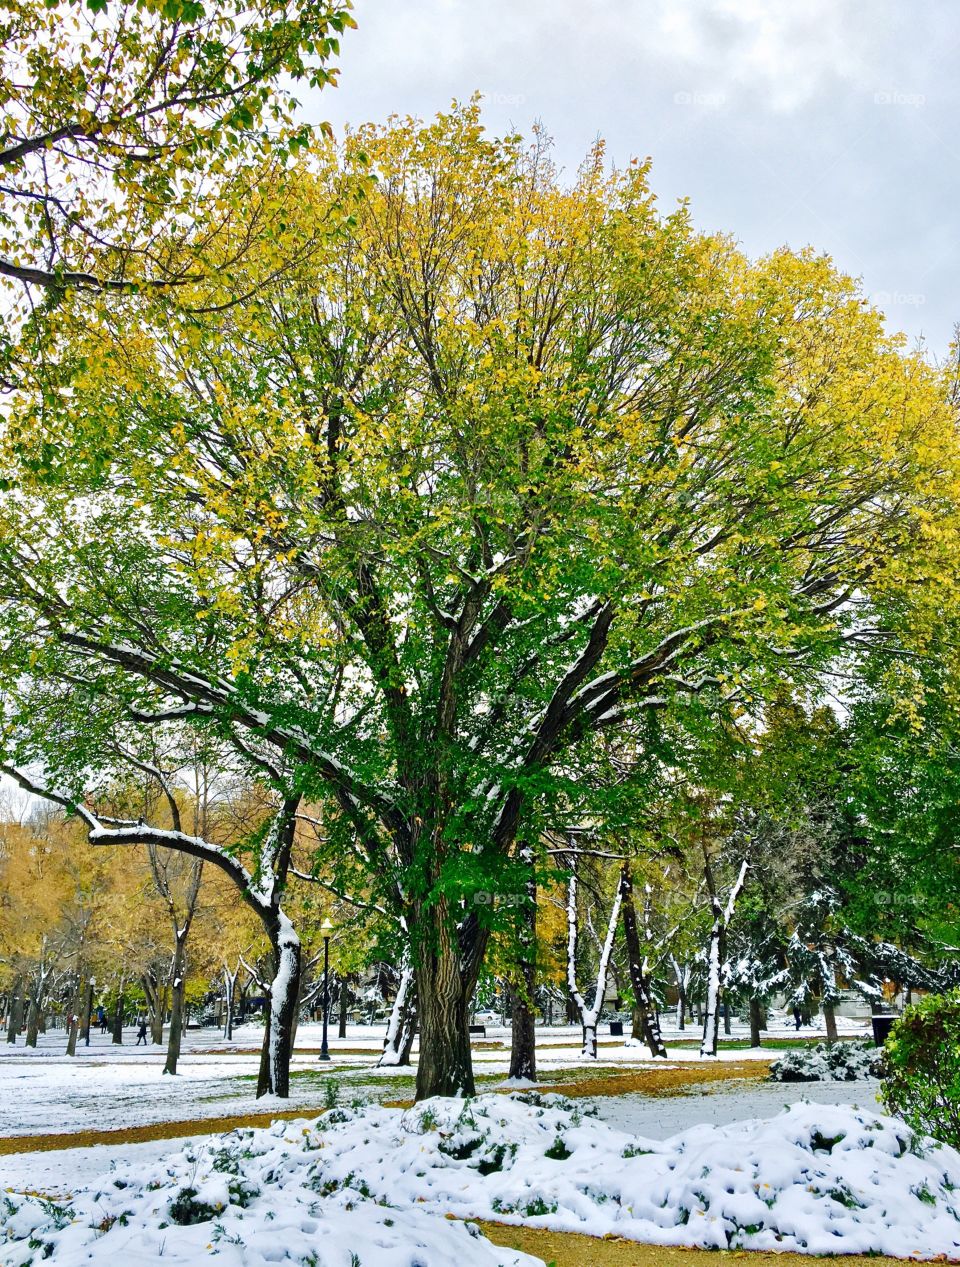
(922,1059)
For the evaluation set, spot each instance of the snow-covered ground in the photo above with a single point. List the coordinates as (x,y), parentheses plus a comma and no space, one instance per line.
(374,1186)
(106,1087)
(718,1164)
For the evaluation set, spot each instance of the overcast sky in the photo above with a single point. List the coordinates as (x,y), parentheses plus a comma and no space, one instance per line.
(824,122)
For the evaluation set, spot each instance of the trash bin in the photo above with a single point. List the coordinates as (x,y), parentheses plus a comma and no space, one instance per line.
(882,1025)
(616,1029)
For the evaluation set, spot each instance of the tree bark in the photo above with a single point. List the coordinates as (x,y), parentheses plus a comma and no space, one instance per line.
(444,991)
(523,1044)
(118,1011)
(645,1011)
(756,1021)
(33,1022)
(523,1033)
(176,1006)
(830,1020)
(156,1006)
(278,1029)
(403,1022)
(344,1004)
(13,1016)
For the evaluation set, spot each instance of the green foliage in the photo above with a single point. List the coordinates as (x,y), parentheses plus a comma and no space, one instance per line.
(922,1080)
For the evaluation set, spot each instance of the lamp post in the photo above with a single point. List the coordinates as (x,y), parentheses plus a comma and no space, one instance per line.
(86,1025)
(326,928)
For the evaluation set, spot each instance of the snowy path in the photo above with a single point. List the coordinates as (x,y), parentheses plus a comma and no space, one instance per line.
(719,1104)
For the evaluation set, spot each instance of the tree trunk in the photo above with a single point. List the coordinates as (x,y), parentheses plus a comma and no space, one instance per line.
(588,1039)
(229,981)
(279,1026)
(155,1006)
(830,1020)
(681,1008)
(443,998)
(72,1033)
(403,1022)
(176,1008)
(756,1021)
(523,1045)
(118,1011)
(13,1016)
(711,1012)
(726,1017)
(649,1022)
(344,1004)
(523,1034)
(33,1022)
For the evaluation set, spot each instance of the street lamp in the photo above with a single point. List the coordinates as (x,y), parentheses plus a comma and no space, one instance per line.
(86,1027)
(326,928)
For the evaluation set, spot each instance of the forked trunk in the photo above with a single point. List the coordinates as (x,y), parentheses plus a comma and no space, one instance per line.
(645,1011)
(403,1022)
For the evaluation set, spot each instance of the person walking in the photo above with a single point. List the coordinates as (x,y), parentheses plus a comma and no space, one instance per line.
(142,1032)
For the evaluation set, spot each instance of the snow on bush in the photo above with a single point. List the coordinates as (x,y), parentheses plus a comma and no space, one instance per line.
(251,1197)
(833,1062)
(817,1178)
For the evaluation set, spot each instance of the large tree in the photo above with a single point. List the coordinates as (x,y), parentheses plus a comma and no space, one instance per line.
(513,462)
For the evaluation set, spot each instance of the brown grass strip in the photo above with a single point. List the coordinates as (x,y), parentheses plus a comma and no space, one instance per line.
(570,1249)
(656,1080)
(143,1134)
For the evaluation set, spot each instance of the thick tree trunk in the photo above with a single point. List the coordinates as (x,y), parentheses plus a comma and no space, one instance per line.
(830,1020)
(756,1021)
(645,1009)
(279,1027)
(443,999)
(72,1032)
(176,1007)
(403,1022)
(726,1017)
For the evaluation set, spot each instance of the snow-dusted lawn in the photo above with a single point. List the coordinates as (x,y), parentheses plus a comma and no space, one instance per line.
(107,1088)
(376,1183)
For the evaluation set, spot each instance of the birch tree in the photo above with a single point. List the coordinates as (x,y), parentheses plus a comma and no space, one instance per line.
(589,1013)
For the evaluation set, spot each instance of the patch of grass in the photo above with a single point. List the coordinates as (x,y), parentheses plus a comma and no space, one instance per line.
(570,1249)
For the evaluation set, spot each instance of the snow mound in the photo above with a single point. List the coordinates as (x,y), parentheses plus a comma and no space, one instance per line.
(371,1185)
(833,1062)
(250,1198)
(816,1179)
